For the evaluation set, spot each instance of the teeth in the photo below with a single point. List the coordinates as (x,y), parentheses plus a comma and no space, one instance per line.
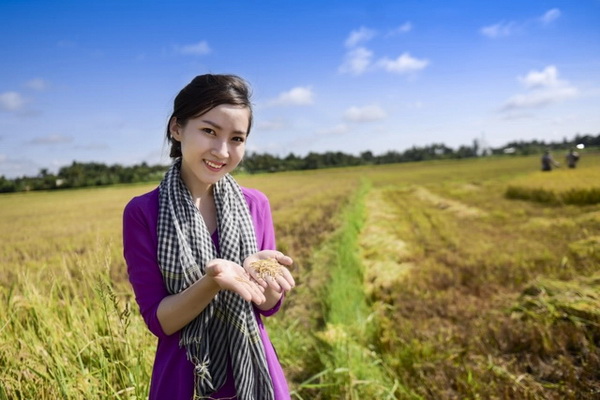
(213,165)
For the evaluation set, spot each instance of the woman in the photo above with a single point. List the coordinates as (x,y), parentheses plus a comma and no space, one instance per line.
(190,247)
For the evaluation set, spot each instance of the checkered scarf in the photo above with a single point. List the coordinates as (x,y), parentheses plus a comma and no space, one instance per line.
(227,327)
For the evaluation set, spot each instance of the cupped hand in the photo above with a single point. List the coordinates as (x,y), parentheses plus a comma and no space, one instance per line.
(281,280)
(231,276)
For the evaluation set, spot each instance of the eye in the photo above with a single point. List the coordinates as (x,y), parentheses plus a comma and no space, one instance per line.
(208,131)
(239,139)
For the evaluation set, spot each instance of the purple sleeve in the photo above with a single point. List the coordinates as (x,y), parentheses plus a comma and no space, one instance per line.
(260,211)
(140,244)
(139,250)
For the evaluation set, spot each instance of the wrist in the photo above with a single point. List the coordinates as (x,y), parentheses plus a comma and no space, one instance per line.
(211,283)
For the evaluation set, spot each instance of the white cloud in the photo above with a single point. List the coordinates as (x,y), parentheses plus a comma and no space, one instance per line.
(360,36)
(404,28)
(540,98)
(37,84)
(365,114)
(339,129)
(357,61)
(51,139)
(11,101)
(544,88)
(546,78)
(197,49)
(504,29)
(500,29)
(298,96)
(550,16)
(403,64)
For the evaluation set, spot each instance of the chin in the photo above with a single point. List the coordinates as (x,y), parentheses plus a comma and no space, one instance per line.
(211,180)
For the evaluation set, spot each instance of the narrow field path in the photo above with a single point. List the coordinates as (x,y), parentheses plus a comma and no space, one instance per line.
(353,367)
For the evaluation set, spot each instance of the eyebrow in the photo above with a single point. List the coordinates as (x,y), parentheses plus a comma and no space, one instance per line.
(217,126)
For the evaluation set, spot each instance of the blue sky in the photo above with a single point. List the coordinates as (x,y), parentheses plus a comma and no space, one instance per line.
(95,81)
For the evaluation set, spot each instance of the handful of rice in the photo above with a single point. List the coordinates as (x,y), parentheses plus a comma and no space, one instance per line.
(267,268)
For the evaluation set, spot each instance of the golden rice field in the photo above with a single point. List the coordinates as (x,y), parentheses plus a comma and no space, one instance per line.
(566,186)
(415,281)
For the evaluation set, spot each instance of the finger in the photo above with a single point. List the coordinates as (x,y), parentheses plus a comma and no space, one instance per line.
(284,284)
(245,284)
(289,278)
(254,288)
(251,292)
(257,278)
(285,260)
(274,284)
(244,293)
(249,270)
(259,287)
(257,295)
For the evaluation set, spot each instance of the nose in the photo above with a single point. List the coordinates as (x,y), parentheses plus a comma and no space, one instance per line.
(220,149)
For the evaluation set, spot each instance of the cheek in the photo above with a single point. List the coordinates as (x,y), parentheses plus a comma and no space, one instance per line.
(239,151)
(193,142)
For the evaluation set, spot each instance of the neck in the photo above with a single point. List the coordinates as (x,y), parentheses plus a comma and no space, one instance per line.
(200,195)
(197,189)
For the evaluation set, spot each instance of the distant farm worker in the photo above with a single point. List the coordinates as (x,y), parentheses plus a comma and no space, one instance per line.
(548,162)
(192,246)
(572,158)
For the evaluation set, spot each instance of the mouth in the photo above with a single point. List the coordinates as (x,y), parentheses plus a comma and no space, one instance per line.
(214,165)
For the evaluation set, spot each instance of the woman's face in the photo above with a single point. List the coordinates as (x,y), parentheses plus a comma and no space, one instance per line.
(212,145)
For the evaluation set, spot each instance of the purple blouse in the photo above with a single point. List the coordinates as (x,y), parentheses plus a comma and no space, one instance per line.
(172,374)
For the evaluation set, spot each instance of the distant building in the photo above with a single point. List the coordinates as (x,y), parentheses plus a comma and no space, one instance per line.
(482,148)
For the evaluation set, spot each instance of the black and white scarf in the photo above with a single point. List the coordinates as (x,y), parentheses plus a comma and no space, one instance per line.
(227,327)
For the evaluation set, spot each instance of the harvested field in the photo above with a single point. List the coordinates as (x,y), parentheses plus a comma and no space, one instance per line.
(414,281)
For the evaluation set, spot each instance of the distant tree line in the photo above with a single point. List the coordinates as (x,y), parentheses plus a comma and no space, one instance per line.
(256,162)
(536,147)
(83,174)
(97,174)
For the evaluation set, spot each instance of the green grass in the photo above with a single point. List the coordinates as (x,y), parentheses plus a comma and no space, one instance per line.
(351,369)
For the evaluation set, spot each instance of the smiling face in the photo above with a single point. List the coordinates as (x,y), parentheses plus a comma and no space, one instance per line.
(212,145)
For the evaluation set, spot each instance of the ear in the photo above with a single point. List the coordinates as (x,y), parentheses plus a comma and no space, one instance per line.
(175,129)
